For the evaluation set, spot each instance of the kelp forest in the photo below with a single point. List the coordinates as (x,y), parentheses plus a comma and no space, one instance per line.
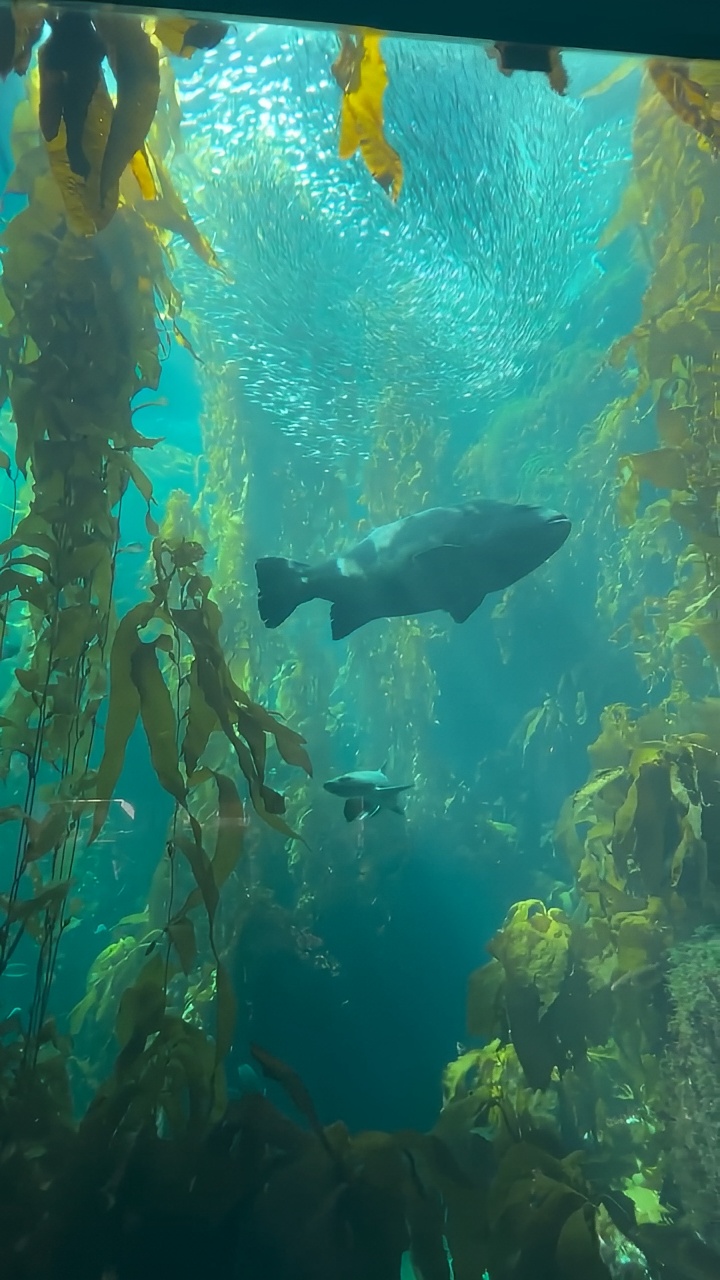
(578,1128)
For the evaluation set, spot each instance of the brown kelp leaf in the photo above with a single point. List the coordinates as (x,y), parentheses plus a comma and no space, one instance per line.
(142,482)
(483,999)
(274,1069)
(231,829)
(142,1008)
(136,66)
(27,22)
(361,74)
(12,812)
(226,1013)
(4,461)
(69,64)
(158,718)
(511,56)
(688,99)
(290,744)
(201,722)
(22,909)
(201,867)
(7,41)
(123,709)
(183,36)
(181,932)
(48,834)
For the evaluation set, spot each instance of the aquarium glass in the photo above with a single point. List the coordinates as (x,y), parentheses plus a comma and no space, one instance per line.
(359,646)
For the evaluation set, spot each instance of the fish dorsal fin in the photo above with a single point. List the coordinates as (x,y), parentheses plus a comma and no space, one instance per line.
(383,766)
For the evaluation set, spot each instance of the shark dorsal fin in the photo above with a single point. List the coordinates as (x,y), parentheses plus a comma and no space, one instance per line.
(383,767)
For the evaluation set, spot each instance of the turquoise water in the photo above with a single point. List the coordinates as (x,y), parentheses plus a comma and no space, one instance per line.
(332,361)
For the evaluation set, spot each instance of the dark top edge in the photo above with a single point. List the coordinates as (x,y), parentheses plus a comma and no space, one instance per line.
(672,31)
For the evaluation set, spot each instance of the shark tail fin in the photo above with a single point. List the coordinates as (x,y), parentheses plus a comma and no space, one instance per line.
(282,586)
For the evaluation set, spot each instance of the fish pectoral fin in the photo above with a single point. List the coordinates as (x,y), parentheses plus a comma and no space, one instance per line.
(346,617)
(353,808)
(446,568)
(461,612)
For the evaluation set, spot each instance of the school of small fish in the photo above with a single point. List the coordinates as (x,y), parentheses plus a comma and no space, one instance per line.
(337,290)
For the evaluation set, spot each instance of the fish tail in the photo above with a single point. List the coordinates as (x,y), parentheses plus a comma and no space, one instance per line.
(282,586)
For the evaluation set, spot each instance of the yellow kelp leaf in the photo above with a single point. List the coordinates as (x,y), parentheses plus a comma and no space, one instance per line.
(455,1076)
(360,72)
(183,36)
(170,213)
(136,66)
(142,173)
(647,826)
(85,211)
(619,73)
(632,212)
(688,99)
(532,946)
(618,735)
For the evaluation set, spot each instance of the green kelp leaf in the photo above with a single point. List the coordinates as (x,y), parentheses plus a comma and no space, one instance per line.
(81,1010)
(48,834)
(226,1013)
(136,66)
(123,709)
(30,589)
(77,626)
(577,1252)
(231,829)
(142,483)
(201,722)
(201,867)
(141,1009)
(158,718)
(182,935)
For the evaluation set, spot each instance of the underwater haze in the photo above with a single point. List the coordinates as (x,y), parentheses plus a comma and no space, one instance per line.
(359,702)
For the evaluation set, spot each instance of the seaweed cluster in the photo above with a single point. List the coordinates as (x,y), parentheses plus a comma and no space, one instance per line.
(601,1016)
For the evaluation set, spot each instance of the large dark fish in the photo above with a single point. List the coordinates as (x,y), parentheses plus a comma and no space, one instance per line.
(445,558)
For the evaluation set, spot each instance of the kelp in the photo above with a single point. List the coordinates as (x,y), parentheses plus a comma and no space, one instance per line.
(512,57)
(361,74)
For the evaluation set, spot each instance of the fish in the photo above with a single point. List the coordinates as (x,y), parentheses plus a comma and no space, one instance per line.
(366,792)
(443,558)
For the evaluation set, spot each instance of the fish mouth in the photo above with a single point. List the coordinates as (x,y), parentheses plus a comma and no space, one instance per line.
(559,523)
